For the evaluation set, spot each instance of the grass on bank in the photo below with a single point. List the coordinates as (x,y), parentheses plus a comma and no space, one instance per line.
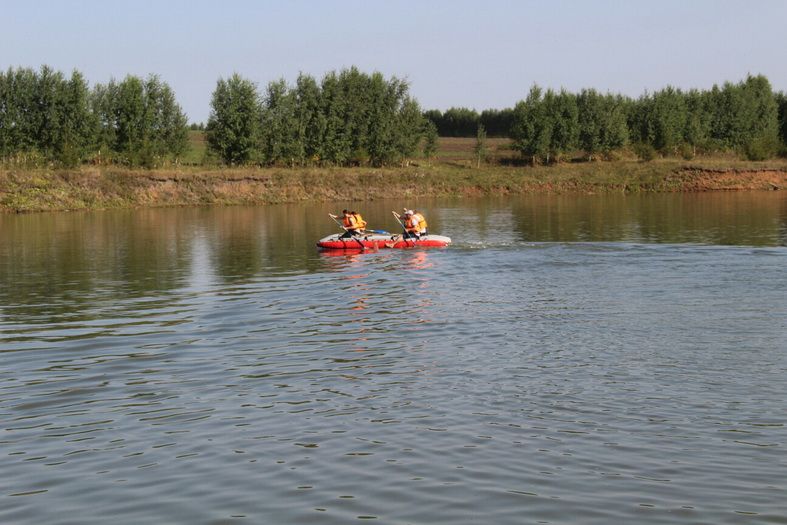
(452,173)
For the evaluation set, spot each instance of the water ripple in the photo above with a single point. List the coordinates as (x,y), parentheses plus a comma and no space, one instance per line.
(603,382)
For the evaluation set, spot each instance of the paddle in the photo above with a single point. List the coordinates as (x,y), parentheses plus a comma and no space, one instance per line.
(352,235)
(399,220)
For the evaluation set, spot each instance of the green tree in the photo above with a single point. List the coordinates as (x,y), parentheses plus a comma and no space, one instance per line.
(745,117)
(163,130)
(409,124)
(562,112)
(48,113)
(359,88)
(130,120)
(781,101)
(760,126)
(103,99)
(78,128)
(45,113)
(497,123)
(6,121)
(698,120)
(310,120)
(532,128)
(435,116)
(336,144)
(380,133)
(458,122)
(366,118)
(139,122)
(18,108)
(166,124)
(279,128)
(233,129)
(603,123)
(430,140)
(614,128)
(667,119)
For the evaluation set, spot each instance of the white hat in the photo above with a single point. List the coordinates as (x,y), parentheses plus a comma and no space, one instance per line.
(408,212)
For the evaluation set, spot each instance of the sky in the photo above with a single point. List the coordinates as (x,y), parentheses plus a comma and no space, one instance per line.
(476,54)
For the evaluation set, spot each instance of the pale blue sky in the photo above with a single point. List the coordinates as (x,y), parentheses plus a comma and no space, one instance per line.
(480,54)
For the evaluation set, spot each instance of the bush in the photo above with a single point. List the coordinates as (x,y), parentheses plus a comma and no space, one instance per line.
(645,152)
(760,148)
(69,157)
(686,151)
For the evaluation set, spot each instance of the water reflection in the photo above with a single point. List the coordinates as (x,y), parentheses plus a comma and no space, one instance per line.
(196,365)
(59,264)
(745,218)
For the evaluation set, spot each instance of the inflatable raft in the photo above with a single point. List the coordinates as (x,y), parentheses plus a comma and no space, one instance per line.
(378,241)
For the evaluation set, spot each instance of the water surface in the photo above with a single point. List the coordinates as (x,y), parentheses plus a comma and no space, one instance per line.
(593,359)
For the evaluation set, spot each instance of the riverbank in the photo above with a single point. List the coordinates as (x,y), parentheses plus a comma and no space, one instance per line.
(112,187)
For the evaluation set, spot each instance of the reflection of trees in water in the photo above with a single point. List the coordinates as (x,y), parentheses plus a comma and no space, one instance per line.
(745,218)
(549,218)
(155,250)
(269,240)
(783,222)
(234,241)
(58,264)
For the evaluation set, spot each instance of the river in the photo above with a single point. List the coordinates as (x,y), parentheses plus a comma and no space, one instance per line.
(569,359)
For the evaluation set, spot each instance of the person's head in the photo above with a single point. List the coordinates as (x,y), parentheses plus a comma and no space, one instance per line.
(345,212)
(408,212)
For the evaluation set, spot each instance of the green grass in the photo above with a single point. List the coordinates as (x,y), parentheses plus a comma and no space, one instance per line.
(92,188)
(195,154)
(452,173)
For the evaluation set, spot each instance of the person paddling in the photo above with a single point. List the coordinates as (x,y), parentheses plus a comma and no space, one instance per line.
(412,225)
(418,216)
(353,224)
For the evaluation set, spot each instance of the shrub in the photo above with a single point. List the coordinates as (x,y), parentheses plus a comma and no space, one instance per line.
(645,152)
(760,148)
(686,151)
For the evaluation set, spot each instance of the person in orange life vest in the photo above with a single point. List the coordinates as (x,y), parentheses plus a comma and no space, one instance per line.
(417,215)
(412,229)
(353,223)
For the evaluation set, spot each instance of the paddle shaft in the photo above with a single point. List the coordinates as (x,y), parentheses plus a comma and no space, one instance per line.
(405,236)
(332,216)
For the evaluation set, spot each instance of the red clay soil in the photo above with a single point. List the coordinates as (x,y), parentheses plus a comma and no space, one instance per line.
(704,179)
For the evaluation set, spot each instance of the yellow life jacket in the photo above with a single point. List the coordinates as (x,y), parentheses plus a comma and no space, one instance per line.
(359,222)
(354,222)
(421,222)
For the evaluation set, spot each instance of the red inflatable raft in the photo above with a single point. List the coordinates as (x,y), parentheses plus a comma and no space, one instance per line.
(378,241)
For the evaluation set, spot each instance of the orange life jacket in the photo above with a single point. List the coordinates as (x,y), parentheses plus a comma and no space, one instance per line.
(411,224)
(354,222)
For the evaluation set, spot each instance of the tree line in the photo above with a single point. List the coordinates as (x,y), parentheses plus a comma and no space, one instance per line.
(354,118)
(48,117)
(347,118)
(747,117)
(464,122)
